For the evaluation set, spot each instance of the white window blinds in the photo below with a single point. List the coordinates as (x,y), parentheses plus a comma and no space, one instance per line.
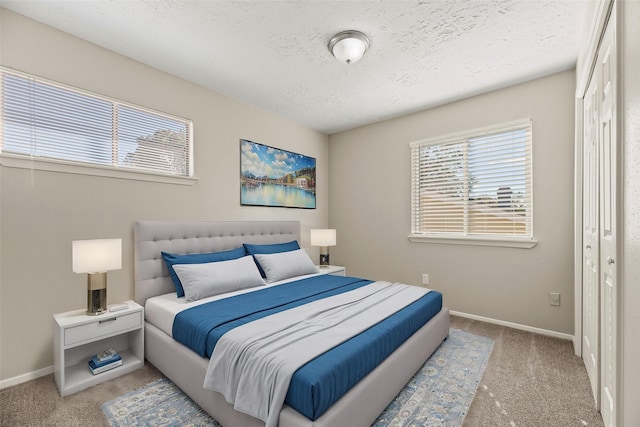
(474,184)
(48,120)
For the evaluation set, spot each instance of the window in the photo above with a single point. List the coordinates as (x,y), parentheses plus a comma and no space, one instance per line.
(48,121)
(474,187)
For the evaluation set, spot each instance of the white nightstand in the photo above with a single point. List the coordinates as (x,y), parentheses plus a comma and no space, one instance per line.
(334,270)
(77,337)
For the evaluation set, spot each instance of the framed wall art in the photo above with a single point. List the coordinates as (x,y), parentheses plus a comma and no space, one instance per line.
(273,177)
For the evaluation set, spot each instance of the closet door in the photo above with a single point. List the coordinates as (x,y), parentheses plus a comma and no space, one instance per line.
(590,238)
(608,225)
(599,210)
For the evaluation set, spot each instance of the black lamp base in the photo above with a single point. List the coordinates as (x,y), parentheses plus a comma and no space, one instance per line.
(324,260)
(96,294)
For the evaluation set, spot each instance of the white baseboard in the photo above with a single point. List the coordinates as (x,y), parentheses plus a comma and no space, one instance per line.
(25,377)
(514,325)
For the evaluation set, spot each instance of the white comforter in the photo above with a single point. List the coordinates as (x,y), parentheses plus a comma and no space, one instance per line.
(252,365)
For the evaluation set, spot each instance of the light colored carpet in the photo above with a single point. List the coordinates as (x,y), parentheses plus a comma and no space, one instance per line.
(439,394)
(530,380)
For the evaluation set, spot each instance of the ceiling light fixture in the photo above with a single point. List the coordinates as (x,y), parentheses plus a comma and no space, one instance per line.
(349,46)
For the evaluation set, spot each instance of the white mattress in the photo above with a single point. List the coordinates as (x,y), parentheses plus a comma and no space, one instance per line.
(162,309)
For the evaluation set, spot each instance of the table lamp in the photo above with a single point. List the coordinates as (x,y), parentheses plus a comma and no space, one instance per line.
(323,238)
(96,257)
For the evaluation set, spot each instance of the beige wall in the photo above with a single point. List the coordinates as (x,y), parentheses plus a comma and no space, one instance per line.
(42,212)
(369,177)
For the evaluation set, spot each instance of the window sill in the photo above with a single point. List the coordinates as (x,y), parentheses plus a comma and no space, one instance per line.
(51,165)
(474,241)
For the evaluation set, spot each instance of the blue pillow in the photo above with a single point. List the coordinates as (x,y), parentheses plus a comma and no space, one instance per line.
(171,259)
(273,248)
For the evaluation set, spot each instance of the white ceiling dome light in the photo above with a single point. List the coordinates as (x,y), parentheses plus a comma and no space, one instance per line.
(349,46)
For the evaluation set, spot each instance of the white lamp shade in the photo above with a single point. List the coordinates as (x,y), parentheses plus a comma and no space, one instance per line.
(323,237)
(97,256)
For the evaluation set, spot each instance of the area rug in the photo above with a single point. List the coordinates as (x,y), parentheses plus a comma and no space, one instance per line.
(438,395)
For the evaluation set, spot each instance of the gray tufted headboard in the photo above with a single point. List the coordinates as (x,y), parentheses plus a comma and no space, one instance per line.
(186,237)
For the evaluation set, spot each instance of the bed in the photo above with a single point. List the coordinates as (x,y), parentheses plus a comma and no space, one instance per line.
(361,404)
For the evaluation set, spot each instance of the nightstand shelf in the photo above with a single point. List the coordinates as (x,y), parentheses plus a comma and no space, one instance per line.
(78,377)
(334,270)
(78,336)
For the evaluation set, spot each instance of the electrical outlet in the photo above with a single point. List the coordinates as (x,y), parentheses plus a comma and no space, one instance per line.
(425,279)
(554,298)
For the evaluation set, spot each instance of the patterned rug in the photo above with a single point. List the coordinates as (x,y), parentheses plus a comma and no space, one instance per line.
(438,395)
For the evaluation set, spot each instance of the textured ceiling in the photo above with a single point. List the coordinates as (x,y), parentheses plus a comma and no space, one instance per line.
(274,54)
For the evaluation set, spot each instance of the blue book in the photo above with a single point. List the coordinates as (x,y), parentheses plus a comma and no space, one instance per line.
(98,363)
(99,369)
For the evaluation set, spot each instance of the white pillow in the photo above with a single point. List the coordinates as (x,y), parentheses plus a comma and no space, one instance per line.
(214,278)
(283,265)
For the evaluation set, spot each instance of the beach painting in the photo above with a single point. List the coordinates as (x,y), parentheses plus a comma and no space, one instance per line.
(273,177)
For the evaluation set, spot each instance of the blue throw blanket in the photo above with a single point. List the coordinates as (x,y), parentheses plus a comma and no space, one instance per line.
(273,348)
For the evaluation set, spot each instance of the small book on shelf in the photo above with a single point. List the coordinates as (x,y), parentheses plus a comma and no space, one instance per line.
(104,361)
(108,355)
(97,368)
